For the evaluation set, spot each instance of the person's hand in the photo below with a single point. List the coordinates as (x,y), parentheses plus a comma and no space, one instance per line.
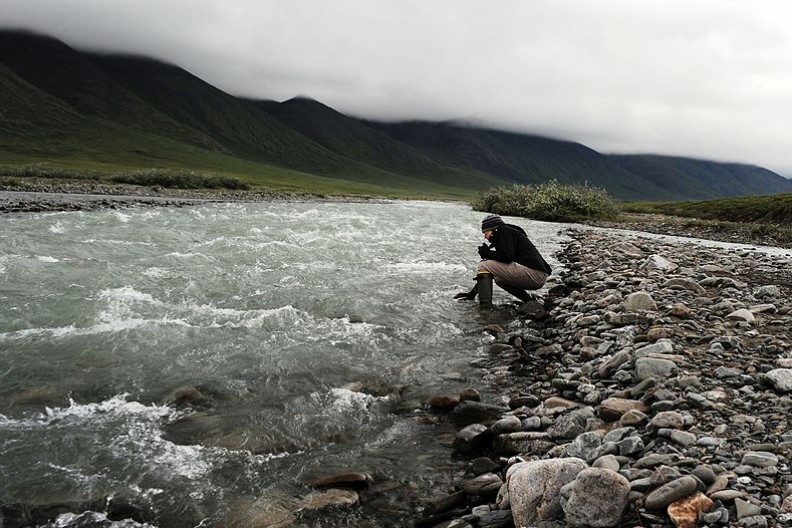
(484,251)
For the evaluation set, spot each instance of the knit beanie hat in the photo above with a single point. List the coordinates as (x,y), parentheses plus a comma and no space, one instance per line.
(491,222)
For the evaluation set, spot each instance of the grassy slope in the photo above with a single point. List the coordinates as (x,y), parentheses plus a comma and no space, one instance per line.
(773,209)
(247,130)
(65,74)
(39,128)
(519,158)
(83,110)
(699,179)
(355,139)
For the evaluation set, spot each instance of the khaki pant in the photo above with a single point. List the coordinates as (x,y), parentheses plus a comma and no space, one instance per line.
(513,274)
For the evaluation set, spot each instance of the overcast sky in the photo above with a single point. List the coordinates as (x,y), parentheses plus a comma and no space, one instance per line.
(706,78)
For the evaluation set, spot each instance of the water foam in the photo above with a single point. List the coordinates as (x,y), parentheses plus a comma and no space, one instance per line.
(47,259)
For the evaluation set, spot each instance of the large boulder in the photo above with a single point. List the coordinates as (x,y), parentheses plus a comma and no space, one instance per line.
(597,499)
(535,488)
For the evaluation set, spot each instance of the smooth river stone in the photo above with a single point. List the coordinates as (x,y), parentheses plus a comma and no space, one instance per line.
(673,491)
(535,488)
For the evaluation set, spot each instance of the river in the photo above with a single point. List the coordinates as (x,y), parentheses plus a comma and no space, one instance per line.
(313,332)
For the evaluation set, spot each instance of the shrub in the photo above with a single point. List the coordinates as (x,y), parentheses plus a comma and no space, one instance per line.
(551,202)
(179,179)
(45,171)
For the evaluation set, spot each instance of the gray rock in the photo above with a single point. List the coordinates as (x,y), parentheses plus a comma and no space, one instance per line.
(639,302)
(705,474)
(526,442)
(470,412)
(483,465)
(668,420)
(631,446)
(535,488)
(780,379)
(741,315)
(767,291)
(746,509)
(568,426)
(607,462)
(661,347)
(495,519)
(617,435)
(760,459)
(757,521)
(486,484)
(676,489)
(611,364)
(508,424)
(727,372)
(683,437)
(656,459)
(598,498)
(649,367)
(726,495)
(584,445)
(470,438)
(656,262)
(697,400)
(684,284)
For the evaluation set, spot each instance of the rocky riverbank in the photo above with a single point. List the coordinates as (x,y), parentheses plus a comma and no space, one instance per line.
(652,391)
(54,196)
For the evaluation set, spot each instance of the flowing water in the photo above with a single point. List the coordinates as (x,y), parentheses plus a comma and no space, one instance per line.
(313,330)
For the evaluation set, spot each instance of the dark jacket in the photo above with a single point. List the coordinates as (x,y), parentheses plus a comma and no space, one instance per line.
(510,243)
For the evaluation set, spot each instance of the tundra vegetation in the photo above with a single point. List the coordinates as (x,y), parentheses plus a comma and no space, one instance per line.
(550,202)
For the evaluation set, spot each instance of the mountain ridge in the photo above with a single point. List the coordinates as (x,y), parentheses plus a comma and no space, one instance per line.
(63,105)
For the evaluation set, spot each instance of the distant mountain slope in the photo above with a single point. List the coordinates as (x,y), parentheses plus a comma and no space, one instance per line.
(692,179)
(66,107)
(235,123)
(25,109)
(518,158)
(66,74)
(356,139)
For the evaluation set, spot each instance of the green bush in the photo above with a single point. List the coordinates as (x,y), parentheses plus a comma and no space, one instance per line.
(179,179)
(550,202)
(45,171)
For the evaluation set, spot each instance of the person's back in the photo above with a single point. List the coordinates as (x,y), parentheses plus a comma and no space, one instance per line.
(511,261)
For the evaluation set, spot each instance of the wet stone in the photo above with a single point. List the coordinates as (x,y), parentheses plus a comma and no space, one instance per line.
(673,491)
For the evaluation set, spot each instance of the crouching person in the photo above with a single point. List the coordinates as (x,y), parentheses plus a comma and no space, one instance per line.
(510,260)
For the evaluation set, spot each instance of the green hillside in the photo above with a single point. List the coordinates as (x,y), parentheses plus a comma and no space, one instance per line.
(60,107)
(63,73)
(520,158)
(356,139)
(687,178)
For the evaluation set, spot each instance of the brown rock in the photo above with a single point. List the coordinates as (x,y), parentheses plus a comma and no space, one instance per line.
(680,310)
(342,480)
(525,443)
(469,395)
(720,484)
(685,512)
(555,402)
(443,403)
(658,332)
(320,500)
(612,409)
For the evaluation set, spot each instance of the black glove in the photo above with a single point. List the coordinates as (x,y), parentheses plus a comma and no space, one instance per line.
(484,251)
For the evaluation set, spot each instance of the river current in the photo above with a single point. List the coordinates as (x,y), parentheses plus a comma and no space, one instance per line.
(310,329)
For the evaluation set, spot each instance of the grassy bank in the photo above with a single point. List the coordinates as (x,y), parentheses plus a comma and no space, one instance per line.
(240,176)
(775,209)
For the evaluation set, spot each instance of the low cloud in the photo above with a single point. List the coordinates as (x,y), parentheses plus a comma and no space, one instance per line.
(708,79)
